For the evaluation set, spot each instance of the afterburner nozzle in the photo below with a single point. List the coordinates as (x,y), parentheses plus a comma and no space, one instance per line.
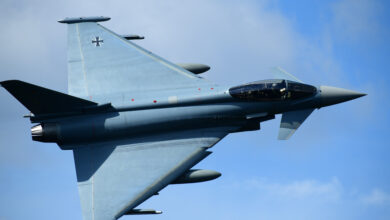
(47,132)
(37,130)
(332,95)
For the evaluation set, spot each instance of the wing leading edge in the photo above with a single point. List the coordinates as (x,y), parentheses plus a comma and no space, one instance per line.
(113,178)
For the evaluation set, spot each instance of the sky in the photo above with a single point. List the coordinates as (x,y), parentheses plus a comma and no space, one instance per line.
(336,166)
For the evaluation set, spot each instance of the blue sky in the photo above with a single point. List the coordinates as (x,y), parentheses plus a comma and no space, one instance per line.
(336,166)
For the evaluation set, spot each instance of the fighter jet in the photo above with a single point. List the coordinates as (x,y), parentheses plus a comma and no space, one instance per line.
(137,123)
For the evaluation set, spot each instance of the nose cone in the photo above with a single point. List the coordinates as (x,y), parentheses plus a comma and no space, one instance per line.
(332,95)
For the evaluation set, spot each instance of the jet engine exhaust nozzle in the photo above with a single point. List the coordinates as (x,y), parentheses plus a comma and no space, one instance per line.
(37,131)
(45,132)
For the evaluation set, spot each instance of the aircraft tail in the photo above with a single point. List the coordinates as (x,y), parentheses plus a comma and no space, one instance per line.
(41,101)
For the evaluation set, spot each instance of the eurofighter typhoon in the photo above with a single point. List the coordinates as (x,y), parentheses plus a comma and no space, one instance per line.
(137,122)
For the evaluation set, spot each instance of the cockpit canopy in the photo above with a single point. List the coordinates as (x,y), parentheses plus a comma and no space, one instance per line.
(272,90)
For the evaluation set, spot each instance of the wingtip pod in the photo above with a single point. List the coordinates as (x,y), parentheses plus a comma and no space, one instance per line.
(84,19)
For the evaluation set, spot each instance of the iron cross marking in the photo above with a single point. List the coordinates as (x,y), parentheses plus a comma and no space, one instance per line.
(97,41)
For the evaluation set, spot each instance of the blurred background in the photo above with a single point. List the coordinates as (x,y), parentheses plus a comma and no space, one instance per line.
(336,166)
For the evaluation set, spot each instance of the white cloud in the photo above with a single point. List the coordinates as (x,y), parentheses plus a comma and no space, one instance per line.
(307,199)
(300,189)
(331,191)
(240,41)
(376,197)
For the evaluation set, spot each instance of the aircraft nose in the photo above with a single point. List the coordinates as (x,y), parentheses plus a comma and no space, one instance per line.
(332,95)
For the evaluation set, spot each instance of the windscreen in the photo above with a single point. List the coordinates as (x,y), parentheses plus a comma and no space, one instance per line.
(299,90)
(272,90)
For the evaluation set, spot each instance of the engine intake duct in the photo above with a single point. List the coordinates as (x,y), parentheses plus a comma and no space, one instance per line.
(45,132)
(196,176)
